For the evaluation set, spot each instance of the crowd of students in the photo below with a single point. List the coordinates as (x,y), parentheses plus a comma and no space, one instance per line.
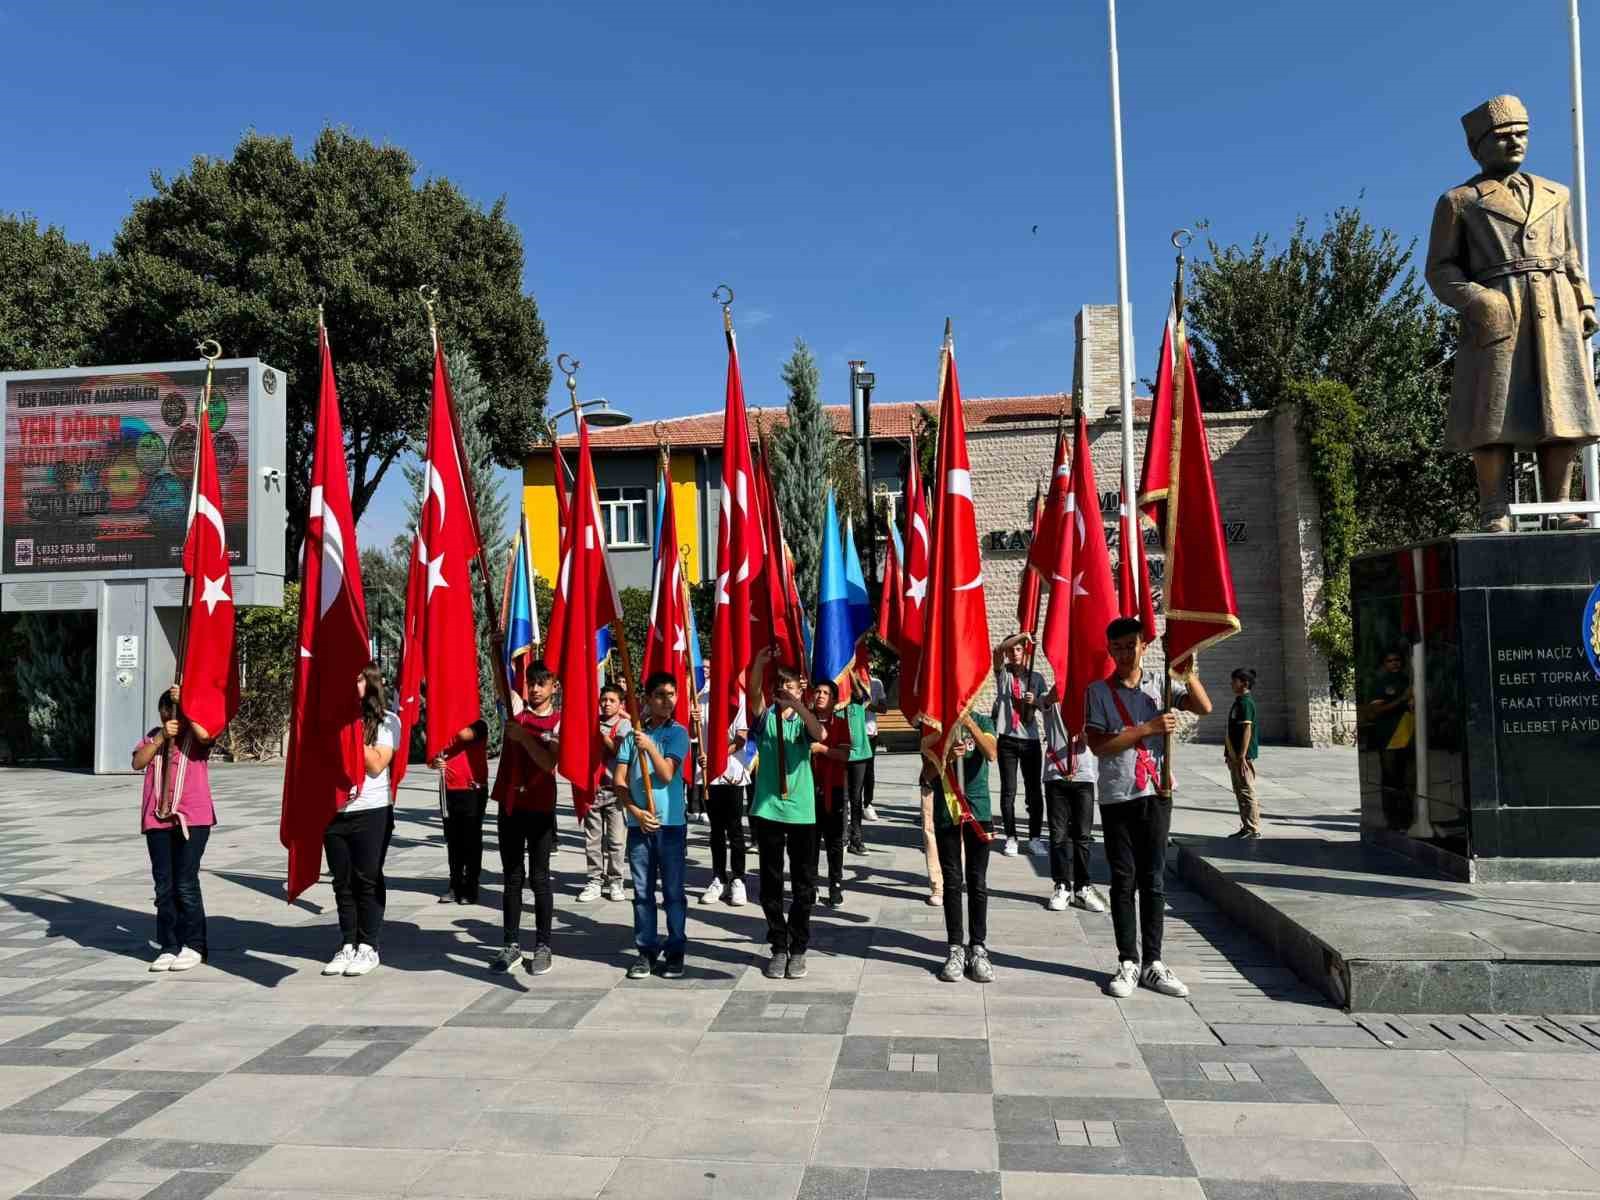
(800,770)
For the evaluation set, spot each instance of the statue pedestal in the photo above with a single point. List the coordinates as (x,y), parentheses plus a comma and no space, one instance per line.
(1491,769)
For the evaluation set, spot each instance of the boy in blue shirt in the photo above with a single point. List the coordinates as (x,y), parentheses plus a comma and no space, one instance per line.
(657,842)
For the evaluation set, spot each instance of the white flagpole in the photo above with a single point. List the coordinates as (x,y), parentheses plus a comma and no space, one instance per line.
(1580,197)
(1130,485)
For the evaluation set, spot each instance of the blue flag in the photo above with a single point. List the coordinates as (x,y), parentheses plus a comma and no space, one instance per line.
(522,622)
(855,588)
(834,645)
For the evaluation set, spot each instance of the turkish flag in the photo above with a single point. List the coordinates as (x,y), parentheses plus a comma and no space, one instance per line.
(1179,496)
(325,760)
(666,645)
(955,649)
(779,600)
(210,679)
(1028,585)
(1047,521)
(915,589)
(441,643)
(1134,598)
(891,593)
(1082,597)
(741,565)
(591,602)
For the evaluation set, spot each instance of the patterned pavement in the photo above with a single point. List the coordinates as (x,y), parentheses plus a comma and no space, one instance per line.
(256,1079)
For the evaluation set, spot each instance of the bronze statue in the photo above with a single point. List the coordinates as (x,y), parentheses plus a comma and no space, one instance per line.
(1501,254)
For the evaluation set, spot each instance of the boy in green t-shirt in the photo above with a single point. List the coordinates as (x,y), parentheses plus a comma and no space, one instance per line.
(860,761)
(975,748)
(783,814)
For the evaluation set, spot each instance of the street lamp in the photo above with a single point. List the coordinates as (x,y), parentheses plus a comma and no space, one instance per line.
(604,416)
(864,381)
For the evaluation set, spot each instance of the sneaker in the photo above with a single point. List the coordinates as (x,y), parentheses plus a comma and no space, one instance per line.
(868,813)
(955,965)
(590,893)
(1010,848)
(641,967)
(979,968)
(448,896)
(540,962)
(164,961)
(1088,899)
(736,896)
(1038,847)
(713,892)
(1125,980)
(338,962)
(1239,833)
(857,846)
(509,959)
(187,959)
(935,899)
(365,961)
(1058,899)
(1253,836)
(777,966)
(672,969)
(1158,977)
(615,890)
(797,966)
(835,896)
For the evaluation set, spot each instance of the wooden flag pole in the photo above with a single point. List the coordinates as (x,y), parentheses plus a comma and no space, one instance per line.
(696,724)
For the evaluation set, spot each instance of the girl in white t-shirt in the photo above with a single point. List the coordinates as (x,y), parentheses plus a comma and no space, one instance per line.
(355,838)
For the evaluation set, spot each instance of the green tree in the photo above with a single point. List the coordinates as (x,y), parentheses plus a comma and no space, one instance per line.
(243,249)
(383,578)
(804,454)
(52,296)
(265,642)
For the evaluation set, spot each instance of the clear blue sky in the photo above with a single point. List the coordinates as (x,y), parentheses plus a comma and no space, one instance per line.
(856,172)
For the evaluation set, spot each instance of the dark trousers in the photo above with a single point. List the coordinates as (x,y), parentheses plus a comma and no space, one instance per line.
(857,774)
(175,868)
(1135,833)
(725,810)
(525,833)
(830,834)
(463,839)
(952,840)
(1071,830)
(354,845)
(774,839)
(1030,755)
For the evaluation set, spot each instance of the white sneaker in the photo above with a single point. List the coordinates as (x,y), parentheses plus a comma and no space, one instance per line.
(736,896)
(591,892)
(1125,980)
(1058,899)
(163,962)
(614,890)
(713,892)
(187,960)
(1039,847)
(1010,848)
(365,960)
(1088,899)
(1158,977)
(340,961)
(868,813)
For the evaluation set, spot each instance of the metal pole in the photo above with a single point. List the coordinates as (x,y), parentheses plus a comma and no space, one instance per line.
(1130,529)
(1580,200)
(874,585)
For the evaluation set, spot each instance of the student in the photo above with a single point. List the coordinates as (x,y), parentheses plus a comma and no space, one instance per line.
(1124,729)
(1017,691)
(1070,772)
(926,788)
(657,841)
(1239,751)
(877,702)
(975,750)
(783,814)
(355,839)
(830,765)
(859,764)
(177,843)
(605,833)
(726,799)
(525,790)
(465,763)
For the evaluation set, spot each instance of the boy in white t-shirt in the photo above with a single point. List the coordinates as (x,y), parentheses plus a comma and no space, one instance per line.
(1070,772)
(726,800)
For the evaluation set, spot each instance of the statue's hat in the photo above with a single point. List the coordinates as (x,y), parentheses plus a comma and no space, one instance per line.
(1491,115)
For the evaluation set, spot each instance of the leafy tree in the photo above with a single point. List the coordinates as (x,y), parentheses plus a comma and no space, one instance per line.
(383,576)
(266,647)
(1331,423)
(244,248)
(51,296)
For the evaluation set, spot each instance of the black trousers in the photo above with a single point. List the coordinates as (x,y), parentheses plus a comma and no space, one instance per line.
(175,869)
(952,840)
(1030,755)
(725,810)
(856,775)
(830,834)
(525,833)
(1071,830)
(868,780)
(1135,834)
(774,839)
(463,839)
(354,844)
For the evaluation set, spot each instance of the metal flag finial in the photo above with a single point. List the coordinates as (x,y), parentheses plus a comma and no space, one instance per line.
(727,304)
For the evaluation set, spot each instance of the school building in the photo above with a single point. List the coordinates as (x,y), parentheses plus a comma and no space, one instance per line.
(1267,498)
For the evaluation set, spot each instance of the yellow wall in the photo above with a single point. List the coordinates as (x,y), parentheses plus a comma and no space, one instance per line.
(686,510)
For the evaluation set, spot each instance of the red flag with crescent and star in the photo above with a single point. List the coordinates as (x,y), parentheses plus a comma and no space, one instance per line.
(666,643)
(210,688)
(915,587)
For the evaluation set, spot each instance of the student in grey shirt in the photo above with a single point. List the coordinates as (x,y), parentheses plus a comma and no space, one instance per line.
(1017,692)
(1124,727)
(1070,771)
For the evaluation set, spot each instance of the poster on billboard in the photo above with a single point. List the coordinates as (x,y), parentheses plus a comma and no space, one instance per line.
(98,468)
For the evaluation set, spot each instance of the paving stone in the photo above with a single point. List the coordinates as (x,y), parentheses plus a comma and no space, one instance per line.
(802,1012)
(1284,1158)
(1292,1035)
(1550,1168)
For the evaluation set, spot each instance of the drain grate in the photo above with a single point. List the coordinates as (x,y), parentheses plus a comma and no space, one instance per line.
(1534,1033)
(1445,1031)
(1585,1029)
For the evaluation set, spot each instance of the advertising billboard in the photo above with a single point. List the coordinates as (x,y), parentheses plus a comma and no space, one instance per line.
(98,467)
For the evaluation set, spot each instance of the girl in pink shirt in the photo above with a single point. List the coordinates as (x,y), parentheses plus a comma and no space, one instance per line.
(178,842)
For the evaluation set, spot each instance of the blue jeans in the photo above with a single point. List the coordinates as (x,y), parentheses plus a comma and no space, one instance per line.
(662,855)
(175,868)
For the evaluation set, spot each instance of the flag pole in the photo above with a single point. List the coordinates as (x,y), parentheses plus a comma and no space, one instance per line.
(696,724)
(1130,521)
(1180,379)
(1033,633)
(1580,203)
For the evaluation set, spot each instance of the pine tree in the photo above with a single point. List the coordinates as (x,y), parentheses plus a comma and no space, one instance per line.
(803,454)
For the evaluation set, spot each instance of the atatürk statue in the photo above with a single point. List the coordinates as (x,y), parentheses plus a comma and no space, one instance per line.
(1501,254)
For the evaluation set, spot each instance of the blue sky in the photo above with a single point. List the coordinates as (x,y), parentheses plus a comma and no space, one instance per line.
(856,171)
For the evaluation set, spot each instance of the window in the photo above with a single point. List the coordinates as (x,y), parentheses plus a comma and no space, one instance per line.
(624,512)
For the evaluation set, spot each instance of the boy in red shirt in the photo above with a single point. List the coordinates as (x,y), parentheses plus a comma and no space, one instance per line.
(525,789)
(829,767)
(465,763)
